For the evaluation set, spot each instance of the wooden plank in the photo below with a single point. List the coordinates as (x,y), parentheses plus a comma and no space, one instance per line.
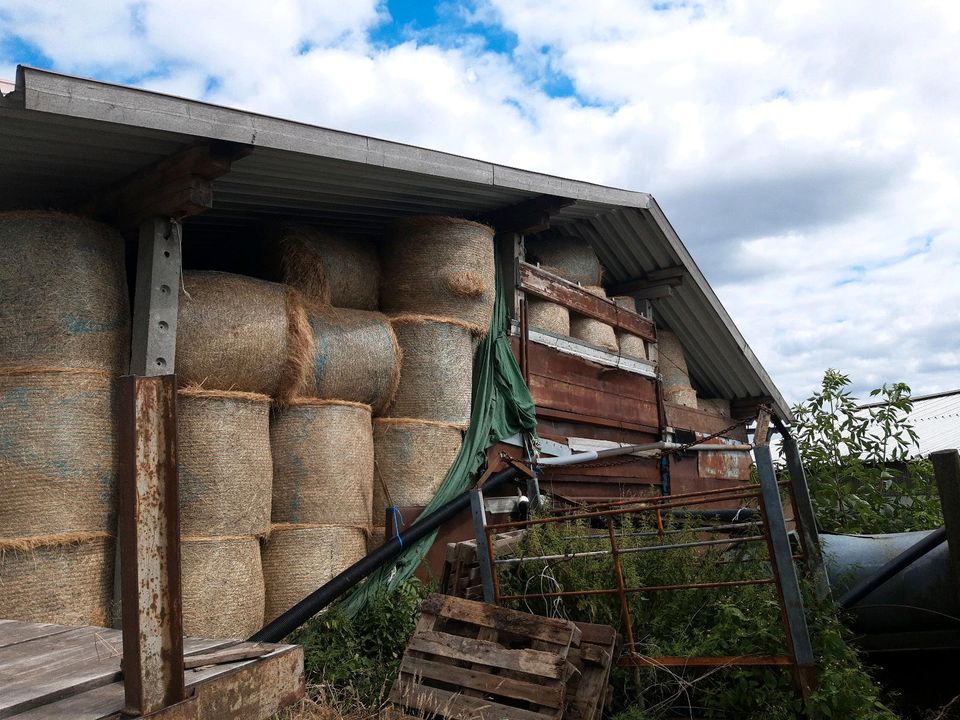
(550,391)
(685,418)
(551,630)
(40,671)
(587,690)
(447,704)
(566,415)
(535,662)
(13,632)
(580,371)
(542,284)
(268,684)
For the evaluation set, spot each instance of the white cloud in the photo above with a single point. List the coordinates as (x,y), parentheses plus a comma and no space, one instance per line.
(789,142)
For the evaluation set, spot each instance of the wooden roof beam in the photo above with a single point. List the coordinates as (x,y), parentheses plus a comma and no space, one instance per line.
(527,217)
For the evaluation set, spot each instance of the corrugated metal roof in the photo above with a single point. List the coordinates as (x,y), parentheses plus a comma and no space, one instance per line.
(64,138)
(936,420)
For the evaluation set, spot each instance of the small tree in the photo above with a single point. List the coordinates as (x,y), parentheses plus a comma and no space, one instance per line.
(860,469)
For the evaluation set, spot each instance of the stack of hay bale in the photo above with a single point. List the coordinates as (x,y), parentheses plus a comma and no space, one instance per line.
(322,436)
(438,287)
(64,320)
(241,342)
(672,364)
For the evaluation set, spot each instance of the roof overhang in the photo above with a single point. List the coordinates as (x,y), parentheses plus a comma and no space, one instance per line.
(64,138)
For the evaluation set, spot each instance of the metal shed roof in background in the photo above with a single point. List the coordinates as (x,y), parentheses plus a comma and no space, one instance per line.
(63,138)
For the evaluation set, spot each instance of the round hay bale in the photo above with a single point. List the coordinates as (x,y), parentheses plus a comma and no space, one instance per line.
(222,582)
(224,463)
(241,333)
(356,357)
(65,579)
(412,459)
(673,370)
(58,454)
(322,463)
(329,269)
(297,559)
(63,293)
(375,538)
(439,266)
(548,317)
(436,377)
(593,331)
(569,257)
(714,406)
(630,345)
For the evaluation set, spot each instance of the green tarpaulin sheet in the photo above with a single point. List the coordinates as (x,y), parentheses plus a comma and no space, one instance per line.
(502,407)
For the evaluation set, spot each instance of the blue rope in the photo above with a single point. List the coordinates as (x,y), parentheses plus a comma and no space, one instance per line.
(395,513)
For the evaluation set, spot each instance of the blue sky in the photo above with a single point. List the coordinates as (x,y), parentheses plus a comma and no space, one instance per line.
(808,153)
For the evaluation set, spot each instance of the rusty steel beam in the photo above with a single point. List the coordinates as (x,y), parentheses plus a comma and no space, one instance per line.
(150,545)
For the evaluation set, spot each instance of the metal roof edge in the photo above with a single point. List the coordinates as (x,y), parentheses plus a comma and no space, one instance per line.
(676,244)
(55,93)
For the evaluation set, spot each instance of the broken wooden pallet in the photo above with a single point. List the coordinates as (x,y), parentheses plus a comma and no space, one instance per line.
(461,570)
(473,661)
(587,687)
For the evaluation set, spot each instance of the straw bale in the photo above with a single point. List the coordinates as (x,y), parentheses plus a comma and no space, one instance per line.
(356,357)
(241,333)
(630,345)
(224,463)
(714,406)
(437,372)
(593,331)
(571,258)
(322,463)
(58,454)
(548,317)
(441,266)
(297,559)
(412,459)
(63,293)
(65,579)
(222,582)
(375,538)
(672,364)
(329,269)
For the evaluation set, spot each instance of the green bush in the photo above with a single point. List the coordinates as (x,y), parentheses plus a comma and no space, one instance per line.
(355,660)
(860,470)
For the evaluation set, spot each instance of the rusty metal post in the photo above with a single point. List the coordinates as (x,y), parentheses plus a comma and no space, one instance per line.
(150,545)
(621,585)
(149,532)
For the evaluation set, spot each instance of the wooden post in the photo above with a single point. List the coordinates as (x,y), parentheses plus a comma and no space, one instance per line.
(479,514)
(149,533)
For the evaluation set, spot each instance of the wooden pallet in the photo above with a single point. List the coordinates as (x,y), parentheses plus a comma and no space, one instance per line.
(473,661)
(461,571)
(587,687)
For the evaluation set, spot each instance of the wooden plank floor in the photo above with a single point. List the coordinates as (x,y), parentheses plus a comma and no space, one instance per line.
(55,671)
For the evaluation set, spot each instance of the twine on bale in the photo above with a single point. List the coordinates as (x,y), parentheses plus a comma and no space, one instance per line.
(222,584)
(58,452)
(356,357)
(329,269)
(571,258)
(548,317)
(322,462)
(593,331)
(224,462)
(241,333)
(630,345)
(412,458)
(63,292)
(437,372)
(439,265)
(299,558)
(64,578)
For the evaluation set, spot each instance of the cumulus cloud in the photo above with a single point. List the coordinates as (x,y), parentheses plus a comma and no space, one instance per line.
(808,153)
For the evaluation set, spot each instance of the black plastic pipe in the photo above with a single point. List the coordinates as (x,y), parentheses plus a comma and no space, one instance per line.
(893,567)
(316,601)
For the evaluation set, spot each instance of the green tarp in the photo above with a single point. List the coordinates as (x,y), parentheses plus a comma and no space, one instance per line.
(502,407)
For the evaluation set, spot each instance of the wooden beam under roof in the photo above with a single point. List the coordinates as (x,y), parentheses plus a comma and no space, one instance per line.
(527,217)
(653,284)
(176,187)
